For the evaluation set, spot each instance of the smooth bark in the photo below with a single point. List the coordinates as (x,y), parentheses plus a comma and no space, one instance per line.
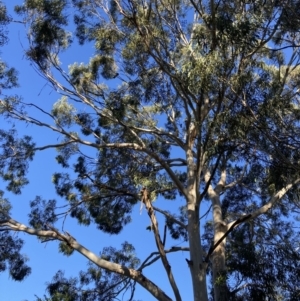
(196,263)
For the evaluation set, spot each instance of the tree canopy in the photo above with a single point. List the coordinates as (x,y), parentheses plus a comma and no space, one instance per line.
(188,100)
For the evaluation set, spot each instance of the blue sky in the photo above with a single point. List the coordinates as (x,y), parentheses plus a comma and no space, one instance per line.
(44,258)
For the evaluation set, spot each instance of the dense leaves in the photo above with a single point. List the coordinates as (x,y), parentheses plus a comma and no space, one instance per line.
(14,157)
(10,247)
(10,257)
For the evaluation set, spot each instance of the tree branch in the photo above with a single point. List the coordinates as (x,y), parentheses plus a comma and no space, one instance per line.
(173,249)
(208,181)
(135,275)
(159,244)
(169,216)
(274,199)
(40,148)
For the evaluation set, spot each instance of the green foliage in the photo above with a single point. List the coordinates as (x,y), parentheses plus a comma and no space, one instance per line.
(65,249)
(4,19)
(47,29)
(265,267)
(94,284)
(42,213)
(177,231)
(11,258)
(63,111)
(4,206)
(8,77)
(14,157)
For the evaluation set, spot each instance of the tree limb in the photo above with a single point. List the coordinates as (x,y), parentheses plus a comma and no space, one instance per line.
(159,244)
(135,275)
(274,199)
(169,216)
(173,249)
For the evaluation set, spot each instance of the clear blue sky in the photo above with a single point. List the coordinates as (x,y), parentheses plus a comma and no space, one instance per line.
(44,258)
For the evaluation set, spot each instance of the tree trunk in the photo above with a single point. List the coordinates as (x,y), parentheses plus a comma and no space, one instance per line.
(196,264)
(221,292)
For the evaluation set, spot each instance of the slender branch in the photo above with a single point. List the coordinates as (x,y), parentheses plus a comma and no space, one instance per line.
(165,235)
(173,249)
(235,224)
(239,288)
(274,199)
(213,25)
(211,177)
(159,244)
(40,148)
(169,216)
(169,170)
(183,161)
(196,8)
(237,181)
(205,212)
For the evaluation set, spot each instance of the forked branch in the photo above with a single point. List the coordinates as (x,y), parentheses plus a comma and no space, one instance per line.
(149,260)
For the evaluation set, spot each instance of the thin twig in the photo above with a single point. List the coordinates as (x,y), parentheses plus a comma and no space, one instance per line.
(169,216)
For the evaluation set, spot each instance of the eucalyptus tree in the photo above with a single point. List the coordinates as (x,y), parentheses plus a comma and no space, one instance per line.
(197,100)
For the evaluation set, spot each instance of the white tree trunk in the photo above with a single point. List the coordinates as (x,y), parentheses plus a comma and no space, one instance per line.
(196,263)
(221,292)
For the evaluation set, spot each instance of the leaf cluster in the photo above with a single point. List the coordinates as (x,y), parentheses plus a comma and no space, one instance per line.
(14,157)
(11,258)
(47,31)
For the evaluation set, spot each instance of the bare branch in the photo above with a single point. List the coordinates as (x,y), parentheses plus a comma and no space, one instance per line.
(205,212)
(173,249)
(40,148)
(210,177)
(235,224)
(274,199)
(159,244)
(169,216)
